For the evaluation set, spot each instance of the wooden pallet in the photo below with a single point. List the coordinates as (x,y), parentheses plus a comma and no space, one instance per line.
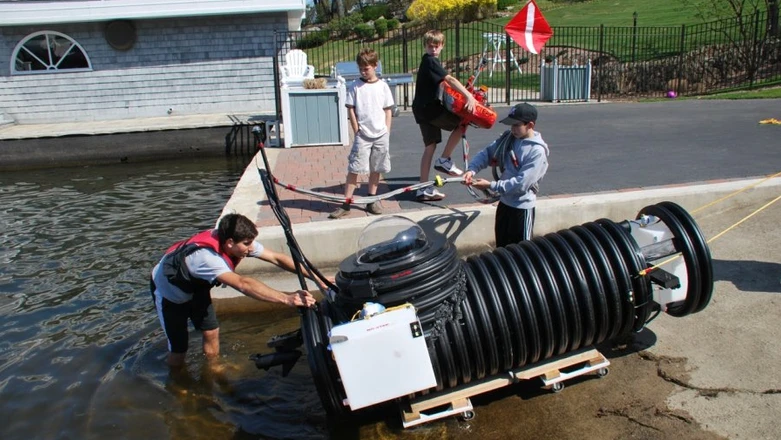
(456,400)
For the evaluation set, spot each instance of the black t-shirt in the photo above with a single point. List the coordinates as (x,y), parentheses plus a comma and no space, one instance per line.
(430,74)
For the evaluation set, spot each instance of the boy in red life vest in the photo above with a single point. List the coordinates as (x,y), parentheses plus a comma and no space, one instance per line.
(182,281)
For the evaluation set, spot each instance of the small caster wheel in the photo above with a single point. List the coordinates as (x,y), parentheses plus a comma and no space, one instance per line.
(468,415)
(557,387)
(602,372)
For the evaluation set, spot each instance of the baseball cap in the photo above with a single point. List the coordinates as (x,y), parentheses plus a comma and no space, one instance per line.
(523,112)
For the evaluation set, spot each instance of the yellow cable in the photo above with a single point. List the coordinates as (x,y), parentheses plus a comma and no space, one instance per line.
(644,272)
(744,219)
(735,193)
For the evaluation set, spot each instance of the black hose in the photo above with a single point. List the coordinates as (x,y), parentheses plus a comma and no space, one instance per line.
(577,283)
(609,280)
(484,323)
(635,262)
(529,325)
(510,304)
(520,304)
(683,245)
(537,300)
(567,289)
(701,250)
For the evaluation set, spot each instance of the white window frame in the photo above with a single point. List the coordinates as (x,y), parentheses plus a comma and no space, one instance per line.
(51,68)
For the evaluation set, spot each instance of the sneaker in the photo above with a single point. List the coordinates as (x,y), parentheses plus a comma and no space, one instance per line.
(429,195)
(374,208)
(340,212)
(446,165)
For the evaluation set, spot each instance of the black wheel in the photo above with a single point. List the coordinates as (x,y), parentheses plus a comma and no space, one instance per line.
(468,415)
(602,372)
(557,387)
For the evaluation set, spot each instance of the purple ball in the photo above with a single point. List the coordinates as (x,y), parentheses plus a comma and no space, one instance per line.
(671,94)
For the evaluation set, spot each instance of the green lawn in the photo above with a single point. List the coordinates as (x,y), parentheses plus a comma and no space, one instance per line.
(769,93)
(651,13)
(619,12)
(575,24)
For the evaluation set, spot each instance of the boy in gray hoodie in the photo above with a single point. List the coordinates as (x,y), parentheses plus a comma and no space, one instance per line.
(521,157)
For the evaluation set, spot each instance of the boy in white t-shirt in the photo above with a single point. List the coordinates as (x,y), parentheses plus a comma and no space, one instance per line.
(370,104)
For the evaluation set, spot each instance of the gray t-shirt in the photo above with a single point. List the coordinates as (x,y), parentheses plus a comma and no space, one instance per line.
(204,264)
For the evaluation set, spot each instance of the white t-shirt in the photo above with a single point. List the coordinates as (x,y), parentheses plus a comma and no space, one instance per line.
(370,101)
(204,264)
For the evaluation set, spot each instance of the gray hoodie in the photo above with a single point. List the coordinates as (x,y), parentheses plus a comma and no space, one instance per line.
(517,184)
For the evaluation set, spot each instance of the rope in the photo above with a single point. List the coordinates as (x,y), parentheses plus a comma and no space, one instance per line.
(736,193)
(744,219)
(717,236)
(487,196)
(438,181)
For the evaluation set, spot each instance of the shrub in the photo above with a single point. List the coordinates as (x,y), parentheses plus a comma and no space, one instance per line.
(477,10)
(504,4)
(393,24)
(373,12)
(343,26)
(312,39)
(381,26)
(467,10)
(364,31)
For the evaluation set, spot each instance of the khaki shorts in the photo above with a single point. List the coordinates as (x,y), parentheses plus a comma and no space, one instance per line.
(369,155)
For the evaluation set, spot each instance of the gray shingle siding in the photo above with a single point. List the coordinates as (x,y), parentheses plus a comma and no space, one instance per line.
(220,64)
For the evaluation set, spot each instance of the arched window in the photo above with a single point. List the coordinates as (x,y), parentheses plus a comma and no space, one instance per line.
(48,52)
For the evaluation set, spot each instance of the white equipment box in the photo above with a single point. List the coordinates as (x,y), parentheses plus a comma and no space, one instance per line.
(382,357)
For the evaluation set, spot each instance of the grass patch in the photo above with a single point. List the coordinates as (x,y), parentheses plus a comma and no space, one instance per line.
(768,93)
(619,12)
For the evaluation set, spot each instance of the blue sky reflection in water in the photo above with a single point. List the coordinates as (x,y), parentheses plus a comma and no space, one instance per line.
(81,352)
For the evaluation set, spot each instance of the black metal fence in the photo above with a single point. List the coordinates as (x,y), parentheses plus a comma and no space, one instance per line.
(628,62)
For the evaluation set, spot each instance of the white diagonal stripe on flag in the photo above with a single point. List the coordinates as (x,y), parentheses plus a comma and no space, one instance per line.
(530,11)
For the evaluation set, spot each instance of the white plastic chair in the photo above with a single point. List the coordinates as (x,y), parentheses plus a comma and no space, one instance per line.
(493,44)
(296,69)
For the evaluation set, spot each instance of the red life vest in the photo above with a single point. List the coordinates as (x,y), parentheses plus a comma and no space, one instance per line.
(175,269)
(206,239)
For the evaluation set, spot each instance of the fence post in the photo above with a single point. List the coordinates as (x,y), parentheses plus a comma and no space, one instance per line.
(404,63)
(634,36)
(755,53)
(458,48)
(275,62)
(601,62)
(507,70)
(680,60)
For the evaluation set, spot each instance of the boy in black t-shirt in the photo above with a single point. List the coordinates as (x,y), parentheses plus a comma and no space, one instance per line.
(432,117)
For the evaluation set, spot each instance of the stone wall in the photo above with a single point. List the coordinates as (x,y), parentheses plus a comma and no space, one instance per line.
(221,64)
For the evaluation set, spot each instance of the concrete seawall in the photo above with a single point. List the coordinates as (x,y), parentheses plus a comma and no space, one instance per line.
(121,141)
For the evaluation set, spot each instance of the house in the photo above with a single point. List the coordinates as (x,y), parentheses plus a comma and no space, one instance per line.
(101,60)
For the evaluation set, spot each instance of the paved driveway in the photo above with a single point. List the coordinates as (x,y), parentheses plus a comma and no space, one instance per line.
(609,146)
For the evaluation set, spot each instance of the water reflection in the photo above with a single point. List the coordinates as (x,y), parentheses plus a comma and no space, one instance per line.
(76,249)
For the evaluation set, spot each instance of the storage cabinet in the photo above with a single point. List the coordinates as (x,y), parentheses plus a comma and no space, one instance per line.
(315,116)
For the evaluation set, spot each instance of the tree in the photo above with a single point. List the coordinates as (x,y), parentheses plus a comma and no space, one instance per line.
(751,39)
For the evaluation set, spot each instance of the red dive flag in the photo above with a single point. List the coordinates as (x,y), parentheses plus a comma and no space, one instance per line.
(529,29)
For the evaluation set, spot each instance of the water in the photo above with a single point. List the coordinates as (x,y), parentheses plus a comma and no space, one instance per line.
(81,352)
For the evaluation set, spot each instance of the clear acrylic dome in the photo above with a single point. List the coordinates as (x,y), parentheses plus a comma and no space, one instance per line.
(389,238)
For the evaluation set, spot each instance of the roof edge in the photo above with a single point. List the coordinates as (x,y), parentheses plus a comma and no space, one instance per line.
(54,12)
